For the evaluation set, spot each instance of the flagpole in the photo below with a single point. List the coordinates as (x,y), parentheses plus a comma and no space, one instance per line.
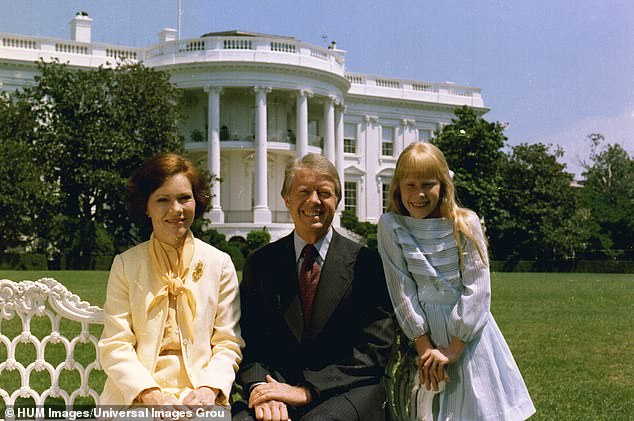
(178,28)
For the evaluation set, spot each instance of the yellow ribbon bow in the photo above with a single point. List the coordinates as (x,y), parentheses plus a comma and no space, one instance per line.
(174,283)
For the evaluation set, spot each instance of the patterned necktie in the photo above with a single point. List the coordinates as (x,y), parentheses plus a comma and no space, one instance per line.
(308,281)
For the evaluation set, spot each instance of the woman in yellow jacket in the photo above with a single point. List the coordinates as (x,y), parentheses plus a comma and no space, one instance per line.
(171,334)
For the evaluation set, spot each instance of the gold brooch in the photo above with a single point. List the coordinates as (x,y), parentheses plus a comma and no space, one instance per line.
(198,271)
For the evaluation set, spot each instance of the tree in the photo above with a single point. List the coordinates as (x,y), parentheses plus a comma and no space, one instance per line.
(24,198)
(473,149)
(608,194)
(93,129)
(257,239)
(538,216)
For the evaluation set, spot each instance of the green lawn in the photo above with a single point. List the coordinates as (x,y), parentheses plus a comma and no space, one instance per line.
(572,336)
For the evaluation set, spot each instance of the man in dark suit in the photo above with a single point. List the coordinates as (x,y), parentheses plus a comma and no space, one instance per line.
(316,315)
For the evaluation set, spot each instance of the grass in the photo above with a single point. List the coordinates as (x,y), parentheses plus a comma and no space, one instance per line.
(91,287)
(572,336)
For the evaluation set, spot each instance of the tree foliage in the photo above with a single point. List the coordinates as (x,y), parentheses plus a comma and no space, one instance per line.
(24,198)
(473,149)
(608,194)
(538,217)
(90,130)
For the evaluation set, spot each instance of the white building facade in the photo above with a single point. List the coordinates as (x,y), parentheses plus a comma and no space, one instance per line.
(255,101)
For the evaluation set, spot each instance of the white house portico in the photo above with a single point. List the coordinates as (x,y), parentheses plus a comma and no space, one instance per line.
(253,101)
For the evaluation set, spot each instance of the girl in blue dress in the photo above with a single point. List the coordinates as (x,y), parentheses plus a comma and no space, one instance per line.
(436,266)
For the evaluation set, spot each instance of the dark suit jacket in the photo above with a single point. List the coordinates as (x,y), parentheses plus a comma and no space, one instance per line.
(352,327)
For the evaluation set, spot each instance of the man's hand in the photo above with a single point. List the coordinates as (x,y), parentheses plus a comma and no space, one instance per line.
(275,391)
(271,411)
(201,396)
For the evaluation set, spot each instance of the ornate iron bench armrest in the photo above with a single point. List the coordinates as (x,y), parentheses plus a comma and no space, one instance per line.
(45,298)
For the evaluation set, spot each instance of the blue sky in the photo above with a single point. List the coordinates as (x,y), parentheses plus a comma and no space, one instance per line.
(554,70)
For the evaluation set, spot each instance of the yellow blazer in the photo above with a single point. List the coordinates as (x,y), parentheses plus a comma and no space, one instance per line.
(129,344)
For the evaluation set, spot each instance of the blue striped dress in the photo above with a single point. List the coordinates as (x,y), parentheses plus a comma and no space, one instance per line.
(431,295)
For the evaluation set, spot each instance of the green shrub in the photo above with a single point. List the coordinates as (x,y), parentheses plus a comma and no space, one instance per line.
(219,240)
(236,255)
(23,261)
(365,229)
(103,262)
(257,239)
(570,266)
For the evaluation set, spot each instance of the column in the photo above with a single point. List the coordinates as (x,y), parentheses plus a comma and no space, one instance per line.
(216,215)
(329,128)
(301,146)
(261,211)
(339,162)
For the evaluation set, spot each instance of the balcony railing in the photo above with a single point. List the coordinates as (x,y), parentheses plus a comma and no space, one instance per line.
(260,48)
(226,135)
(246,48)
(316,141)
(28,48)
(266,49)
(444,92)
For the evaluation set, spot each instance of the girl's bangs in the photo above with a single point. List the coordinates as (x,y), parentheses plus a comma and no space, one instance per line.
(421,166)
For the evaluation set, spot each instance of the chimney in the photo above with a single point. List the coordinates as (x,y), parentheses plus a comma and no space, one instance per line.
(80,27)
(167,35)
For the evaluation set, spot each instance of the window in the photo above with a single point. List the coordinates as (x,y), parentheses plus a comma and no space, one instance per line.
(387,141)
(350,138)
(350,196)
(385,195)
(424,135)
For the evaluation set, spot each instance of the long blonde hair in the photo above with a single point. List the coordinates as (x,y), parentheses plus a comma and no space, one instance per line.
(425,161)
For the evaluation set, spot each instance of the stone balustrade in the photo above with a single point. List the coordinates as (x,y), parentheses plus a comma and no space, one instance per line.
(212,48)
(266,49)
(443,92)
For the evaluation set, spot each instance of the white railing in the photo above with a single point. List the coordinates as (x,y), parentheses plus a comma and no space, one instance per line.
(237,44)
(286,51)
(280,136)
(441,92)
(191,45)
(212,48)
(388,83)
(31,49)
(424,87)
(316,141)
(121,54)
(319,53)
(283,47)
(71,48)
(14,42)
(358,79)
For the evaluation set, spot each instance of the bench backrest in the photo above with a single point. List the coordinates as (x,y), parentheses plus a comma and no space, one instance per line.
(46,298)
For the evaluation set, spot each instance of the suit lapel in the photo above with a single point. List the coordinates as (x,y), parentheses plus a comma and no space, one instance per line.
(335,279)
(288,293)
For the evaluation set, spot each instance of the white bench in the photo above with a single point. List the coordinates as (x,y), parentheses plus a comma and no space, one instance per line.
(47,299)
